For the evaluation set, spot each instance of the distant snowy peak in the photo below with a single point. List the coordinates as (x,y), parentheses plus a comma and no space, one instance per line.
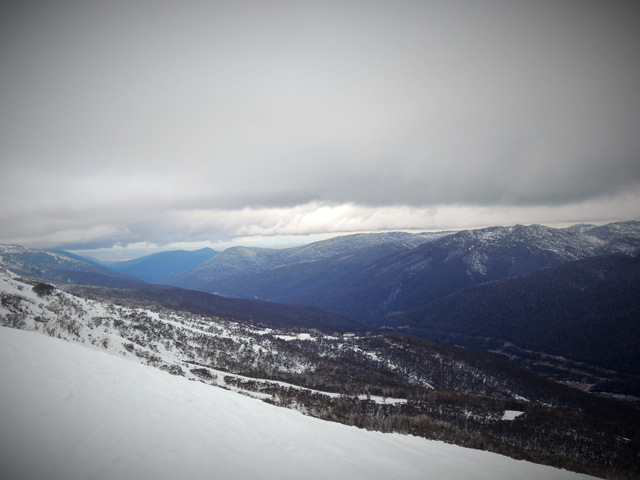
(349,244)
(20,250)
(520,249)
(620,237)
(12,254)
(580,227)
(410,279)
(579,241)
(611,229)
(356,241)
(13,249)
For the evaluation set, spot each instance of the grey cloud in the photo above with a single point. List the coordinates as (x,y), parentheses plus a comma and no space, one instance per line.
(79,246)
(114,114)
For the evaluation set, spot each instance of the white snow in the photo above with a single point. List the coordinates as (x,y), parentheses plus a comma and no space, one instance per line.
(300,336)
(511,414)
(70,412)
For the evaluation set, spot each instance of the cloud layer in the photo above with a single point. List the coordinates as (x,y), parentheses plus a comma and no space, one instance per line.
(166,122)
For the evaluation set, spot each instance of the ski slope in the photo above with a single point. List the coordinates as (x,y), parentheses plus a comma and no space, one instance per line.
(70,412)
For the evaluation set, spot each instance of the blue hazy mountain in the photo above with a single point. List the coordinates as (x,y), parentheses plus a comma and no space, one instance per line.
(157,266)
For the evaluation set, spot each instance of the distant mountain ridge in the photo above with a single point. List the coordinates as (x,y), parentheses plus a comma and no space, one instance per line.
(243,261)
(406,280)
(374,281)
(80,258)
(283,283)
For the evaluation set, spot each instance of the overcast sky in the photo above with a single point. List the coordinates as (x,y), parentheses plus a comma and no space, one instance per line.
(172,123)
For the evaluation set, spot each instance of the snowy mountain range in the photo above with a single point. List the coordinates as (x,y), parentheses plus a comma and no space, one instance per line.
(477,288)
(104,283)
(372,282)
(414,283)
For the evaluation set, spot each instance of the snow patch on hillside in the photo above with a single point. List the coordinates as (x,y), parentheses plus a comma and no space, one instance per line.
(510,415)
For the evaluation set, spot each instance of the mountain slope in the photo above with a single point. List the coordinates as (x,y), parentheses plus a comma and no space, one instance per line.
(279,284)
(157,266)
(72,413)
(234,272)
(201,303)
(410,279)
(382,382)
(587,310)
(60,268)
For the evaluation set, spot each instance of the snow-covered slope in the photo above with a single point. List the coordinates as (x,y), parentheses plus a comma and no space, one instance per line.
(374,381)
(218,350)
(68,412)
(61,268)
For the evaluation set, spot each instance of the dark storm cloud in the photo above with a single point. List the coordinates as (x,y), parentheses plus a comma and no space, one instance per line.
(160,121)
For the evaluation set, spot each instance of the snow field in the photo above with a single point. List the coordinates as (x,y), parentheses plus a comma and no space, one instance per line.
(68,412)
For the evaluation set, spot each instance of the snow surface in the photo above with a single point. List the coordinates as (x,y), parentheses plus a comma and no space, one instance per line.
(70,412)
(511,415)
(300,336)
